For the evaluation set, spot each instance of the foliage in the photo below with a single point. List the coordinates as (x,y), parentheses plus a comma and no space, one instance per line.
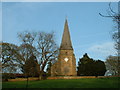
(89,67)
(99,68)
(9,57)
(31,67)
(40,44)
(112,64)
(26,51)
(44,47)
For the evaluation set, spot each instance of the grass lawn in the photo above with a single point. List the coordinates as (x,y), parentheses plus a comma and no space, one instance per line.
(68,83)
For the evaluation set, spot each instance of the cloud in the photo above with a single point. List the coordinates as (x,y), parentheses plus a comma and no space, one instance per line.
(103,50)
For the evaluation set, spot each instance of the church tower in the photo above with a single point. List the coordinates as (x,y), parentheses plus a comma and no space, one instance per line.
(66,64)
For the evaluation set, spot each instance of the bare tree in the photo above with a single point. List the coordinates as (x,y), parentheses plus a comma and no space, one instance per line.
(41,44)
(27,37)
(116,18)
(47,48)
(112,64)
(116,33)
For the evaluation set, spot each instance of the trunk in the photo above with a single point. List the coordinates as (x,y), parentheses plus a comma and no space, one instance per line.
(43,66)
(40,75)
(27,82)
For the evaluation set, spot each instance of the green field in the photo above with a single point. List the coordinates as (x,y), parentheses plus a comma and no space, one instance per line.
(112,82)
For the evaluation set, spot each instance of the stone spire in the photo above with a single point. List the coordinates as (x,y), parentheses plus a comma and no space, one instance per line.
(66,41)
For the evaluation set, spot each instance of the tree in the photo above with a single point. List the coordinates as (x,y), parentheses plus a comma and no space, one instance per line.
(14,57)
(89,67)
(49,68)
(99,68)
(115,36)
(40,44)
(8,57)
(31,67)
(85,65)
(116,18)
(112,64)
(47,48)
(26,51)
(44,47)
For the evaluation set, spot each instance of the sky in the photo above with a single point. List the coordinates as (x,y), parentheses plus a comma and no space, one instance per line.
(90,32)
(59,0)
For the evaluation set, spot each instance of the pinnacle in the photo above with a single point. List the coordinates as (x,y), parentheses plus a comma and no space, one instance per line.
(66,41)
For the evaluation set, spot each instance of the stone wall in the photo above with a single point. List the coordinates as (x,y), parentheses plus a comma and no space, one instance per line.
(23,79)
(77,77)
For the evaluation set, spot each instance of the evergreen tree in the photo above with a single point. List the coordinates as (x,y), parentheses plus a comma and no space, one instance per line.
(100,68)
(89,67)
(31,67)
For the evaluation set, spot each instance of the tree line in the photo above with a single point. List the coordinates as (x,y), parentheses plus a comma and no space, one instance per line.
(31,56)
(36,54)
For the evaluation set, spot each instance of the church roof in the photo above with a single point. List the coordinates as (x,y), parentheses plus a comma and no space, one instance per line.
(66,41)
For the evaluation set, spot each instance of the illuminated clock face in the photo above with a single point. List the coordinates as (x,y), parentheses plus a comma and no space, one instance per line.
(66,59)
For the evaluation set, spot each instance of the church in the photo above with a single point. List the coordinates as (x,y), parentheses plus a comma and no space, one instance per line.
(66,63)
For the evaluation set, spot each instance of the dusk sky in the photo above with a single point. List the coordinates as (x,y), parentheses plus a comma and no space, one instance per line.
(90,33)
